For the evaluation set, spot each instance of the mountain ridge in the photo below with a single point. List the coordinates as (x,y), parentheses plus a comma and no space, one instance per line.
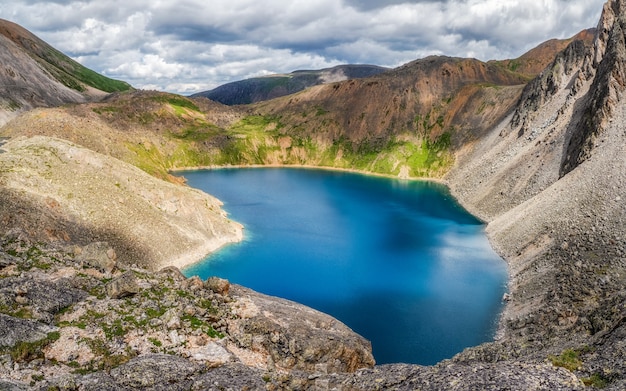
(273,86)
(37,75)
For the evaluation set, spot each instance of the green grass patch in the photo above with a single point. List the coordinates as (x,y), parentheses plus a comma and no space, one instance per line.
(155,342)
(596,380)
(28,351)
(73,75)
(177,101)
(196,133)
(569,359)
(196,323)
(116,329)
(106,109)
(255,124)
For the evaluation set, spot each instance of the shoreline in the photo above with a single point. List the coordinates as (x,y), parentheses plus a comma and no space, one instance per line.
(307,167)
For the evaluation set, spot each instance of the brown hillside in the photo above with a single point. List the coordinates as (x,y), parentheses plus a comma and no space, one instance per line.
(424,98)
(537,59)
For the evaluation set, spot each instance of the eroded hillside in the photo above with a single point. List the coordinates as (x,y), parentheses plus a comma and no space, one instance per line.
(34,74)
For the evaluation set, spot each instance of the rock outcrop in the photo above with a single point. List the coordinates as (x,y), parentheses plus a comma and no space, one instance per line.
(164,332)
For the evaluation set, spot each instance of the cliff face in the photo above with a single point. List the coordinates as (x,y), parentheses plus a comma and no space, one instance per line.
(551,180)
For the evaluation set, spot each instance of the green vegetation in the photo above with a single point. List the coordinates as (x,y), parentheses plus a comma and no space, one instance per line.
(569,359)
(155,342)
(109,360)
(116,329)
(28,351)
(596,380)
(106,109)
(176,101)
(320,111)
(73,75)
(200,324)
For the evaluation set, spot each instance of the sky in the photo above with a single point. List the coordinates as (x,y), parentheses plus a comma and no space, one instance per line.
(188,46)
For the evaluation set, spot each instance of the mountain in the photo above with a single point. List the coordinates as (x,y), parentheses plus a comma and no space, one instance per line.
(35,74)
(535,60)
(258,89)
(540,159)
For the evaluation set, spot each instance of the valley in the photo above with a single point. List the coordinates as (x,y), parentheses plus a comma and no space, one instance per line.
(533,146)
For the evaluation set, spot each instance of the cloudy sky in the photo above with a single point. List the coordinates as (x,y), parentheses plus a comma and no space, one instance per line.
(187,46)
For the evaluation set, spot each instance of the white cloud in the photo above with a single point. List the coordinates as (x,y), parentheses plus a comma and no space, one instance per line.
(194,44)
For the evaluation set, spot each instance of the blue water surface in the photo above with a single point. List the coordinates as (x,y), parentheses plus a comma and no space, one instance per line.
(399,262)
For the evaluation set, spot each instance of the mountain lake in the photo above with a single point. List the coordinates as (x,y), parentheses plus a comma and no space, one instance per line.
(400,262)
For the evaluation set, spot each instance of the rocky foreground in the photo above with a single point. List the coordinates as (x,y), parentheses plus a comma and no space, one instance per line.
(71,322)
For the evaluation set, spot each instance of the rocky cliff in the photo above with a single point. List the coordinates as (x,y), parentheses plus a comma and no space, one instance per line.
(551,181)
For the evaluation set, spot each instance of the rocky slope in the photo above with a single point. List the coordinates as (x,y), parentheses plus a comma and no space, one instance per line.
(551,181)
(58,191)
(34,74)
(69,323)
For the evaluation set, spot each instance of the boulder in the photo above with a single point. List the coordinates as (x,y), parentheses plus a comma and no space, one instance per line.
(156,372)
(218,285)
(99,255)
(211,354)
(123,286)
(45,297)
(294,336)
(231,377)
(14,330)
(174,272)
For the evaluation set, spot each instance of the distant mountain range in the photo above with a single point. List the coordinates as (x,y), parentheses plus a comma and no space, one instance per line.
(259,89)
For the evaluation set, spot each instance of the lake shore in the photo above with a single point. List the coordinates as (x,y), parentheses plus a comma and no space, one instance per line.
(307,167)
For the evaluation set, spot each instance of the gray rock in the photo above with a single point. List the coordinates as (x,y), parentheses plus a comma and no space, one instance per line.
(123,286)
(230,377)
(99,381)
(99,255)
(446,376)
(296,336)
(174,272)
(43,296)
(14,330)
(156,372)
(6,385)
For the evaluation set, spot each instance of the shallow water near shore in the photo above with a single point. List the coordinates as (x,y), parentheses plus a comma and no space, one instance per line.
(399,262)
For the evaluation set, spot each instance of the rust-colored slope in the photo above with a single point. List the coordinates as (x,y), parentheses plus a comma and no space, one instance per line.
(424,98)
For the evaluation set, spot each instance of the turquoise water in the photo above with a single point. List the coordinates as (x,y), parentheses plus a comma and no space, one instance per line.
(399,262)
